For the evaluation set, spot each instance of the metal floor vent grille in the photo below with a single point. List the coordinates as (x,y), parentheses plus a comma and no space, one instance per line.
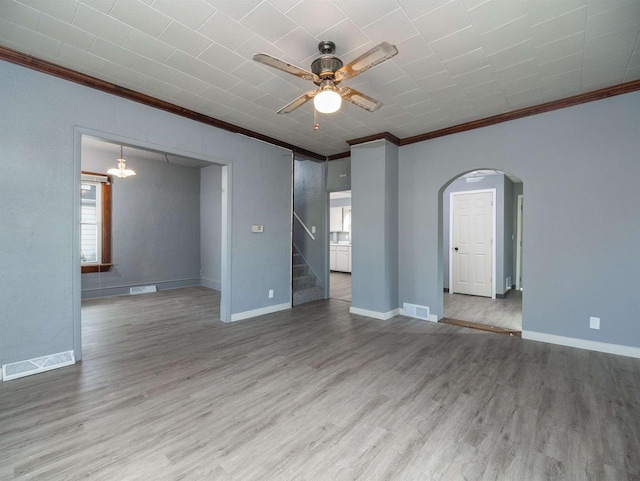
(142,289)
(19,369)
(414,310)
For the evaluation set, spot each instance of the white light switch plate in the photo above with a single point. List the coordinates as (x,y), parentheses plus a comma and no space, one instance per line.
(257,228)
(594,322)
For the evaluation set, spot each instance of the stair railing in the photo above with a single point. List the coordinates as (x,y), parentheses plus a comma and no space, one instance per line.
(304,225)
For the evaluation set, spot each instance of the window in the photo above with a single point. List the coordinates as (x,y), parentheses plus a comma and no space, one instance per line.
(95,222)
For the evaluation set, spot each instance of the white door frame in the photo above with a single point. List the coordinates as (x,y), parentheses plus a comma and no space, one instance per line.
(519,241)
(493,234)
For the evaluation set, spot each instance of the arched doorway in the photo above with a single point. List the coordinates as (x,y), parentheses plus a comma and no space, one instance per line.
(482,218)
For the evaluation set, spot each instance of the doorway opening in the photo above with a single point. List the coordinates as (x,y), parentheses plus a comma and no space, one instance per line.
(169,229)
(482,251)
(340,248)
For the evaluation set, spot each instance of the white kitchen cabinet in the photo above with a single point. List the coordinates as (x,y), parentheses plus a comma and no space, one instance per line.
(335,219)
(342,258)
(332,257)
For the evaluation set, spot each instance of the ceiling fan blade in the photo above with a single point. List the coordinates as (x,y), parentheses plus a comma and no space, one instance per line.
(373,57)
(285,67)
(359,99)
(298,102)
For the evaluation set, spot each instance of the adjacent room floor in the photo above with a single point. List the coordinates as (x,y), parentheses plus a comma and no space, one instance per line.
(314,393)
(504,313)
(340,286)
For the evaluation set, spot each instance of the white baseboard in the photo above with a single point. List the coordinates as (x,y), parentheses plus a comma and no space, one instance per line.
(211,283)
(375,314)
(618,349)
(239,316)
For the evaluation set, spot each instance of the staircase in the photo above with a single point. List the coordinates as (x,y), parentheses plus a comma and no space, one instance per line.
(304,283)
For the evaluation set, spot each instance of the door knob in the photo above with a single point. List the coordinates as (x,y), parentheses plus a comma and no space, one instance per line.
(455,248)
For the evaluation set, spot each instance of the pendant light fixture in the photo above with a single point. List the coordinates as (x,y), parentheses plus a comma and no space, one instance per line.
(122,170)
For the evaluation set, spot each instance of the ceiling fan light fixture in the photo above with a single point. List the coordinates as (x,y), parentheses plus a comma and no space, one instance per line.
(327,101)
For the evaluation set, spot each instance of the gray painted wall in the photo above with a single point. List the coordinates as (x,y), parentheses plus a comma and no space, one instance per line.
(210,226)
(40,115)
(582,229)
(374,200)
(339,175)
(310,203)
(155,234)
(504,211)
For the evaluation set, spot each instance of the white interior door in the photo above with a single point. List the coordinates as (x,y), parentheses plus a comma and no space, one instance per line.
(472,249)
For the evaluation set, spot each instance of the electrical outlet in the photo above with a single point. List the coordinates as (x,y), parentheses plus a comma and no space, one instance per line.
(313,229)
(270,293)
(259,229)
(594,322)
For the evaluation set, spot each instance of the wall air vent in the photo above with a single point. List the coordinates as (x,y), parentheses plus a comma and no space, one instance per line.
(142,289)
(413,310)
(19,369)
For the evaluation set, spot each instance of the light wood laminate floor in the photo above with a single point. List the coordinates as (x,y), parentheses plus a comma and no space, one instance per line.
(505,313)
(340,286)
(315,393)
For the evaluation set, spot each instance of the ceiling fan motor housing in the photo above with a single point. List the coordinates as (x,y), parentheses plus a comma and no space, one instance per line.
(327,64)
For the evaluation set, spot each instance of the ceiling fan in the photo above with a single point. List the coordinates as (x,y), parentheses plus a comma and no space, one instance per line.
(327,71)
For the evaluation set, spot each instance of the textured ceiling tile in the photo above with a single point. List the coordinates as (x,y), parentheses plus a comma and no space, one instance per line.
(235,8)
(104,6)
(101,25)
(347,38)
(186,63)
(246,91)
(613,20)
(140,16)
(437,82)
(398,86)
(187,82)
(159,88)
(193,15)
(281,89)
(148,46)
(521,85)
(451,17)
(393,28)
(618,40)
(632,74)
(373,10)
(494,14)
(81,58)
(482,90)
(456,44)
(315,16)
(19,14)
(113,53)
(417,8)
(226,31)
(268,22)
(560,48)
(217,95)
(123,74)
(560,27)
(153,69)
(222,58)
(32,40)
(512,56)
(518,71)
(298,44)
(250,72)
(61,9)
(466,63)
(185,39)
(540,11)
(480,76)
(561,65)
(565,78)
(506,36)
(220,79)
(424,67)
(411,50)
(527,98)
(65,32)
